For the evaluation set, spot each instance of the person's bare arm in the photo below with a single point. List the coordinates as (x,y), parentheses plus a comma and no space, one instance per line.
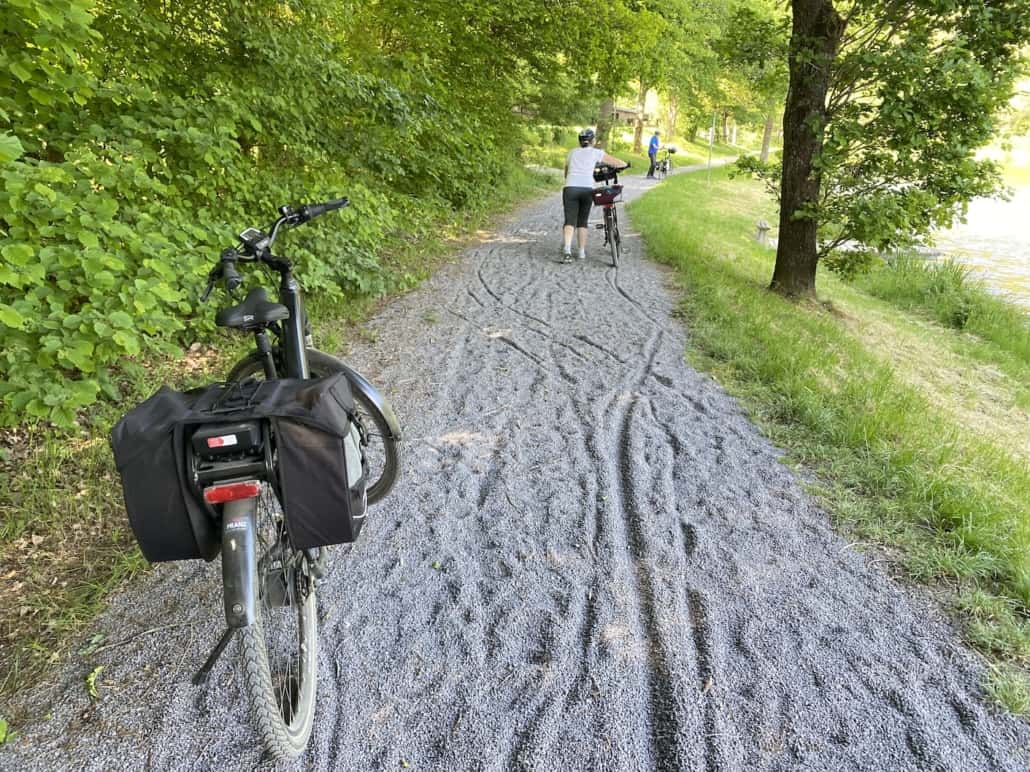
(613,161)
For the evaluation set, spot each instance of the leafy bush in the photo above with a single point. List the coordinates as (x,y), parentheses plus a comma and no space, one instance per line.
(134,144)
(850,263)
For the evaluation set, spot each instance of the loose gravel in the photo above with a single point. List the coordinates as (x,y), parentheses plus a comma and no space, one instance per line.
(593,562)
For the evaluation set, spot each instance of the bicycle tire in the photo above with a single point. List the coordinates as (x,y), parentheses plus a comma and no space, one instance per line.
(280,670)
(616,234)
(383,456)
(609,235)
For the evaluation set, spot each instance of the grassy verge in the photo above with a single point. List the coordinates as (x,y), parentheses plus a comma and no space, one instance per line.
(65,543)
(947,293)
(918,447)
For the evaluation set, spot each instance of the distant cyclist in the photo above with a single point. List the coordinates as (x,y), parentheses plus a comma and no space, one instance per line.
(578,193)
(652,153)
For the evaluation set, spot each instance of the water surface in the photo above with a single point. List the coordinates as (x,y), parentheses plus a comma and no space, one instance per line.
(994,243)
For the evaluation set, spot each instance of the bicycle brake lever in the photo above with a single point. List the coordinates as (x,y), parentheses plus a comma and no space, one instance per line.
(213,276)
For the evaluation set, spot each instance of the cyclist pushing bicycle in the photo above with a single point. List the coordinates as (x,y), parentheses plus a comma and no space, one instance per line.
(578,193)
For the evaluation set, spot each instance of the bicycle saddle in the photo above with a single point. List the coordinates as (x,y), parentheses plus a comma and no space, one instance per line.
(255,311)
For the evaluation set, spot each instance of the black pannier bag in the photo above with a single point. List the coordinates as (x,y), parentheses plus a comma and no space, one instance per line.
(322,472)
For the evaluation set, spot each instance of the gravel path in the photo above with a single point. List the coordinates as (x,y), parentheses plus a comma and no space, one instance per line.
(594,561)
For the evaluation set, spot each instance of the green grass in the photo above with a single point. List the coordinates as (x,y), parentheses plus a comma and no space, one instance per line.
(65,544)
(903,461)
(947,293)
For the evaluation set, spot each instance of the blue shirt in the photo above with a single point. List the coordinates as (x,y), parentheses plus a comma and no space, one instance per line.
(652,148)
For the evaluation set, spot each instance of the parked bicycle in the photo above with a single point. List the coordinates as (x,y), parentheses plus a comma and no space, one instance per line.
(606,197)
(249,449)
(664,165)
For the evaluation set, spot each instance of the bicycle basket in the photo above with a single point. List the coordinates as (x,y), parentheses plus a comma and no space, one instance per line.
(607,195)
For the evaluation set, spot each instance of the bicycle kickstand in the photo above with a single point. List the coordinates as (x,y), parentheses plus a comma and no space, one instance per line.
(205,671)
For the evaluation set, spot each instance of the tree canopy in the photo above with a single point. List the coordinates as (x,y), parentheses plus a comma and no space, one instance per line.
(888,104)
(136,136)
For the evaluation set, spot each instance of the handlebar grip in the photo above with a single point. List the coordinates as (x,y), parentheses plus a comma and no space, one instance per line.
(311,211)
(232,278)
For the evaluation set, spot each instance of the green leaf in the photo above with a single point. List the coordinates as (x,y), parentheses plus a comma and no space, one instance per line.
(121,319)
(82,393)
(166,293)
(63,416)
(91,681)
(43,97)
(37,408)
(88,238)
(17,254)
(11,318)
(6,733)
(110,388)
(20,71)
(10,148)
(128,342)
(79,356)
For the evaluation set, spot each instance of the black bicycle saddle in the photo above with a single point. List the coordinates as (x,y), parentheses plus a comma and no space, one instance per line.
(255,311)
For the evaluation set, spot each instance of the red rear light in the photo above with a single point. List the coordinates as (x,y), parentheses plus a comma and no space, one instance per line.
(219,494)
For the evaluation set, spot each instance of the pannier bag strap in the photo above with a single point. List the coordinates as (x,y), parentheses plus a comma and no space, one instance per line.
(234,396)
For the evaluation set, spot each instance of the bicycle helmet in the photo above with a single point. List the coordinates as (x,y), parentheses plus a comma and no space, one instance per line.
(586,137)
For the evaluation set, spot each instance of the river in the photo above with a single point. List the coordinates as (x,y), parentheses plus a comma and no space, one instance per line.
(994,243)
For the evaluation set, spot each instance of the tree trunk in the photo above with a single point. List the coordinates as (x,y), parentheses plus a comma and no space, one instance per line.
(604,121)
(815,35)
(638,130)
(766,137)
(725,128)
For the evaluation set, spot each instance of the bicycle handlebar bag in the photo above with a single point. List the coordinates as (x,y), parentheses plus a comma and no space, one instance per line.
(322,472)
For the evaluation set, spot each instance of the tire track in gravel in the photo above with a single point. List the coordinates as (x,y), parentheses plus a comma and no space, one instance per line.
(593,562)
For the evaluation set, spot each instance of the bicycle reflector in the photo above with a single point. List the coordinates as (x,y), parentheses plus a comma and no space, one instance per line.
(233,491)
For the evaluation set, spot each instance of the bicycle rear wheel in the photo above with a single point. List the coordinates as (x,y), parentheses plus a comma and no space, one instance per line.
(382,450)
(609,234)
(616,235)
(280,648)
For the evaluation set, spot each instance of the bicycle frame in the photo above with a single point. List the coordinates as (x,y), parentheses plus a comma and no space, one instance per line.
(293,335)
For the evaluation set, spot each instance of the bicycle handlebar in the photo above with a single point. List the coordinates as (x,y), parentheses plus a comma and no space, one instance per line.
(230,274)
(311,211)
(258,246)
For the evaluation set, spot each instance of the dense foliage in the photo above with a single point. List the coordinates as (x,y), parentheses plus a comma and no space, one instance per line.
(137,137)
(895,99)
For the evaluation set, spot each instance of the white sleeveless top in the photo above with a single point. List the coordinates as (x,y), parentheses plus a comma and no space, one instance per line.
(581,163)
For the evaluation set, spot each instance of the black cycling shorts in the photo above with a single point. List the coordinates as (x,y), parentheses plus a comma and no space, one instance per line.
(577,203)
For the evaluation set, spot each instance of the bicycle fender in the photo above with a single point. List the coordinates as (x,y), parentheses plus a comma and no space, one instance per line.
(358,381)
(239,562)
